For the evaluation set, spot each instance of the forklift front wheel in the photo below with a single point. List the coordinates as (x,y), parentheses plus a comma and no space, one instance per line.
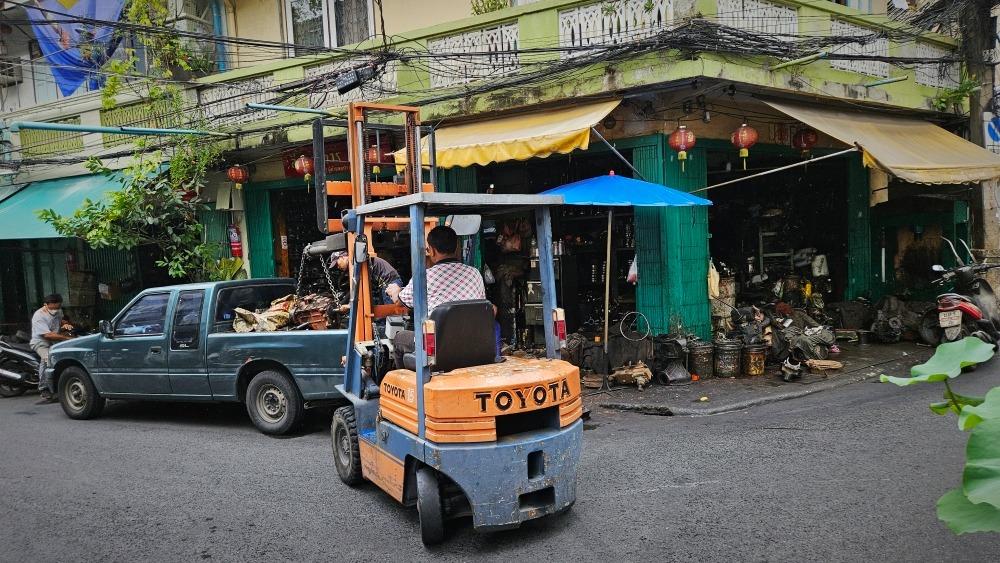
(344,437)
(429,506)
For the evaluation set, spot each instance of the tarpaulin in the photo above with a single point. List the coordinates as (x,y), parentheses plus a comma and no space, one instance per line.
(75,48)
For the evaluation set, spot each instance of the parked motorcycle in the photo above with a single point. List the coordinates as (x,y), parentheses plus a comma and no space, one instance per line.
(18,367)
(971,310)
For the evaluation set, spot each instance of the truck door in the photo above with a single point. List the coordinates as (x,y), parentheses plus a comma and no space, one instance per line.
(186,358)
(135,360)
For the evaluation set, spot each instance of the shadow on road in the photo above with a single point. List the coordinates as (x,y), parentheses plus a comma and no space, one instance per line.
(217,415)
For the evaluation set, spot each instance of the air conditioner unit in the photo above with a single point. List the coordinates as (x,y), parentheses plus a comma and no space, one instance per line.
(10,72)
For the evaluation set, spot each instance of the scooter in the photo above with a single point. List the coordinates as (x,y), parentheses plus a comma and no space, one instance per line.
(971,310)
(18,367)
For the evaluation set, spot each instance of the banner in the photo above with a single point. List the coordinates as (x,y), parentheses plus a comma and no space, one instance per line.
(75,49)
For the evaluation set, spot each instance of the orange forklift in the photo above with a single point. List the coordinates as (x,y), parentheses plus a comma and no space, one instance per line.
(458,430)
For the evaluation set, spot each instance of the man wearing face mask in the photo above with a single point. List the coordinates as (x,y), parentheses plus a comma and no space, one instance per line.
(47,325)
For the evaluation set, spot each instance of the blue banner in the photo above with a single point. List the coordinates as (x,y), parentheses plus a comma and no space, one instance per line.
(75,49)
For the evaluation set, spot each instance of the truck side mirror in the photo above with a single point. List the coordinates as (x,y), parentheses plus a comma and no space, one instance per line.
(106,329)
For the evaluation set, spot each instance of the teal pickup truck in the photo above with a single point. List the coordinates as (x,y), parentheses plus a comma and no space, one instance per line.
(177,343)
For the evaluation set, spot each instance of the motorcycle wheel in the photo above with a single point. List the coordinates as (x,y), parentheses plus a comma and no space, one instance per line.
(10,390)
(930,330)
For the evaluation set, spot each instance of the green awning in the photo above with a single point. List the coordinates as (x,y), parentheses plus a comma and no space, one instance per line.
(18,219)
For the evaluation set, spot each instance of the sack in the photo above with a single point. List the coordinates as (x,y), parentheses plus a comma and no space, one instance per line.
(713,280)
(488,275)
(633,271)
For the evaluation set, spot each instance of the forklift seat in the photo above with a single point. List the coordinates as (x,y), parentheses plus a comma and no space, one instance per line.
(465,335)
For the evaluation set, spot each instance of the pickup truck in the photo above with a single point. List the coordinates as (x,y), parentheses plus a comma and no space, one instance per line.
(177,343)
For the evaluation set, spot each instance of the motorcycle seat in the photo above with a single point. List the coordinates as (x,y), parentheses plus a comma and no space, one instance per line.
(15,345)
(954,297)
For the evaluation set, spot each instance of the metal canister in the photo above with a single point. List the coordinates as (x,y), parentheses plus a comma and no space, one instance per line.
(700,359)
(727,358)
(754,357)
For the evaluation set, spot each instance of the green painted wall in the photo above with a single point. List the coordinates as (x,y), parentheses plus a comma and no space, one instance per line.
(257,204)
(860,274)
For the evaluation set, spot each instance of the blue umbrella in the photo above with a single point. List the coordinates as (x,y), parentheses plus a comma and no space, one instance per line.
(618,191)
(614,190)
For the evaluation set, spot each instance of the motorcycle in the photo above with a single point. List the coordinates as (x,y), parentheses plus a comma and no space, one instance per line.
(18,367)
(971,310)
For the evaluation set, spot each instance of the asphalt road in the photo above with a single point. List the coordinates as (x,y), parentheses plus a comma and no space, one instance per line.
(850,474)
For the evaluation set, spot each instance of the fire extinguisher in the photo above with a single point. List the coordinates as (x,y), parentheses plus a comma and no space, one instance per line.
(235,246)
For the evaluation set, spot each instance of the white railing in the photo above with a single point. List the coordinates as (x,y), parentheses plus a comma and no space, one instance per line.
(483,53)
(612,22)
(227,102)
(875,47)
(377,88)
(937,75)
(759,16)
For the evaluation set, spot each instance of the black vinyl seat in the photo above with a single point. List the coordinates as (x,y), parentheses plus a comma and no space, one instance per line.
(464,335)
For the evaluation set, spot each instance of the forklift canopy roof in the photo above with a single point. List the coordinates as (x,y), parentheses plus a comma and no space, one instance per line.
(441,204)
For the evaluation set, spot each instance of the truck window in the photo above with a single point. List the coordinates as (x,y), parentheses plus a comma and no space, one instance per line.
(252,298)
(187,319)
(145,317)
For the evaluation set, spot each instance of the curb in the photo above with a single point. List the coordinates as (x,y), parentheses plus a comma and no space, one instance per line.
(863,374)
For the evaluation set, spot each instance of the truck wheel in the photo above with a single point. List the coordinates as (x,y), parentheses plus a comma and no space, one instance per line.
(429,506)
(344,439)
(273,403)
(78,396)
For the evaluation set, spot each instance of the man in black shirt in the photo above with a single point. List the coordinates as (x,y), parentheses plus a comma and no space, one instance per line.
(381,274)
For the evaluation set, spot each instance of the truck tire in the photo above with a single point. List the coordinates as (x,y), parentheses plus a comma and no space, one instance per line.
(78,395)
(429,506)
(344,439)
(273,403)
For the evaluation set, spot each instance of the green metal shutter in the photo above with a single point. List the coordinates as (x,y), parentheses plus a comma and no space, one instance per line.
(259,236)
(672,244)
(215,224)
(457,180)
(860,252)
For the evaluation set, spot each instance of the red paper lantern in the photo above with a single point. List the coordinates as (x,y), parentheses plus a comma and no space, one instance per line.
(239,175)
(805,139)
(743,138)
(304,167)
(681,140)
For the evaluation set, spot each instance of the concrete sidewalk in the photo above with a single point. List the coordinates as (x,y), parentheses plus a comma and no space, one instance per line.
(716,395)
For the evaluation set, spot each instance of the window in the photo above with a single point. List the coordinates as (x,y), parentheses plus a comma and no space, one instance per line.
(187,320)
(146,317)
(327,23)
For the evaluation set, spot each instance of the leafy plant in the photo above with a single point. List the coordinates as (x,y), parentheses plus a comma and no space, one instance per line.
(480,7)
(975,505)
(951,97)
(225,269)
(152,207)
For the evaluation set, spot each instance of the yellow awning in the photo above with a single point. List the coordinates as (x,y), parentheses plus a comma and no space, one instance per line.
(516,137)
(912,150)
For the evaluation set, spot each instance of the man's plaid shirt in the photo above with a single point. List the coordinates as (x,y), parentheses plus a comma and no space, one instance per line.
(448,281)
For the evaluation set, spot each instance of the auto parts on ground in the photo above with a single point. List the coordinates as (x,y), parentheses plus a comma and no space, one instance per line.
(823,366)
(592,380)
(791,370)
(638,375)
(674,374)
(887,329)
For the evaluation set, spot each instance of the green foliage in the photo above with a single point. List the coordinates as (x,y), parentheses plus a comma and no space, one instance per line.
(975,506)
(480,7)
(951,97)
(225,269)
(152,207)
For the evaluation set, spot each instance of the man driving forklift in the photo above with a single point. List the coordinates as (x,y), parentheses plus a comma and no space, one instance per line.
(448,279)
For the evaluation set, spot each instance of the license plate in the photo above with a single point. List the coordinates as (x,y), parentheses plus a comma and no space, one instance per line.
(950,318)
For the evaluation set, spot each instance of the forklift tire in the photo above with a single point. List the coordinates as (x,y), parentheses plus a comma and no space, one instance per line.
(344,439)
(429,506)
(273,403)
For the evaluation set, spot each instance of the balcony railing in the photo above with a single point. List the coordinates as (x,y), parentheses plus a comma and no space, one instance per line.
(474,55)
(612,23)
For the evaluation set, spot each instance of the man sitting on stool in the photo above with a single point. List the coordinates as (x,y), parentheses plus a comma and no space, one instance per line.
(447,280)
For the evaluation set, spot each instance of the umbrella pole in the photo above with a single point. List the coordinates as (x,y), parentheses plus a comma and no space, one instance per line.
(607,285)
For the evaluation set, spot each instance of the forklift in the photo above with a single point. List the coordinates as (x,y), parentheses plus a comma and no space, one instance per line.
(457,430)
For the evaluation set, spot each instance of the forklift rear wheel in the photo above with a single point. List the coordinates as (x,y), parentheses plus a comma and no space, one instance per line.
(429,506)
(344,439)
(273,403)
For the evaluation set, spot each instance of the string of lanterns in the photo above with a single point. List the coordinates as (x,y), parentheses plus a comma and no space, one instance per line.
(743,138)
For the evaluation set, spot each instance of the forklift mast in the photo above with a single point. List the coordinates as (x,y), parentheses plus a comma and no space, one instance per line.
(366,125)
